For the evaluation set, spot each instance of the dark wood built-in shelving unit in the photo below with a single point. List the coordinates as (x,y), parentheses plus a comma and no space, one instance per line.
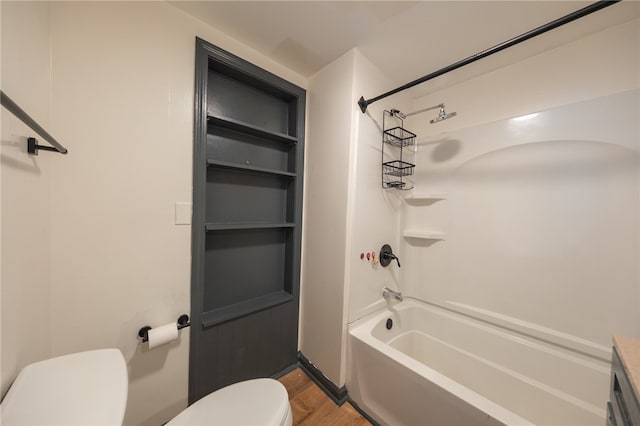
(248,157)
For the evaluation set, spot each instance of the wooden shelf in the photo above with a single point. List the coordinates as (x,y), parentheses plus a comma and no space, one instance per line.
(236,310)
(230,123)
(249,168)
(240,226)
(423,235)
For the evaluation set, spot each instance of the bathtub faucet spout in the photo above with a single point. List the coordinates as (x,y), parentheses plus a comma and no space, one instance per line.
(388,293)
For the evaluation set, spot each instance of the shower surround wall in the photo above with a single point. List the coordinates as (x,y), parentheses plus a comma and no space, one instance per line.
(553,251)
(540,211)
(517,175)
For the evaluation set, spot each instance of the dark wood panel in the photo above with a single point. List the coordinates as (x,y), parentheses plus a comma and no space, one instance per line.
(256,345)
(223,354)
(285,333)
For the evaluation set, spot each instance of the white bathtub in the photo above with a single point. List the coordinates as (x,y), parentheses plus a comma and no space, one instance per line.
(439,367)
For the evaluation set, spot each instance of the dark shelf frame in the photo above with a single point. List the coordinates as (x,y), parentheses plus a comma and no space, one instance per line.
(220,315)
(241,126)
(213,227)
(249,168)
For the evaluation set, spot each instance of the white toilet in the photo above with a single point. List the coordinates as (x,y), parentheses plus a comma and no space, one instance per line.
(90,388)
(252,402)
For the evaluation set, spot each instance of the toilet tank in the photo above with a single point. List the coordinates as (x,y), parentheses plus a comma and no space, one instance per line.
(86,388)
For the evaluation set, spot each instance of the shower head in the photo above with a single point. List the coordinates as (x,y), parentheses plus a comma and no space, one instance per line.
(442,115)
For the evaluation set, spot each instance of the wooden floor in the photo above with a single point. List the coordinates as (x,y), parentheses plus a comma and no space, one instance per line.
(311,406)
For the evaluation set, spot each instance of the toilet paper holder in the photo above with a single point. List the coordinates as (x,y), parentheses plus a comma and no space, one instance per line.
(183,321)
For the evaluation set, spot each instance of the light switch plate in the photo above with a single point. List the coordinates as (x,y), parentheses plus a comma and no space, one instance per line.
(183,213)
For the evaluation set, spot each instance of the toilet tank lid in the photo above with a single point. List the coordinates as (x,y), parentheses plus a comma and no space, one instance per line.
(78,389)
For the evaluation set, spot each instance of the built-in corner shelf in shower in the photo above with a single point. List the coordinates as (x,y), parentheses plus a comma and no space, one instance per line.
(426,197)
(423,235)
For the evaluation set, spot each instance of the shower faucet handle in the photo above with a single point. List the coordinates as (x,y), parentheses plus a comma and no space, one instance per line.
(386,255)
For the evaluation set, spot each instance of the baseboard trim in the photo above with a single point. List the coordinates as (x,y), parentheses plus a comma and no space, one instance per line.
(362,412)
(337,395)
(286,370)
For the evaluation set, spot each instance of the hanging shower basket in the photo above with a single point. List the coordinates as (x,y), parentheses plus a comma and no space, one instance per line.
(397,168)
(399,137)
(393,172)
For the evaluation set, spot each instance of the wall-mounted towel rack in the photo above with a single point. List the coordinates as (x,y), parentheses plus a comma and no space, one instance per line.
(32,145)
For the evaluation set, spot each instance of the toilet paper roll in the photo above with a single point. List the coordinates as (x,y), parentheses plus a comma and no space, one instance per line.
(162,335)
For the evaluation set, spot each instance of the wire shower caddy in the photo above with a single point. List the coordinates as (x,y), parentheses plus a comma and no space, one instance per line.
(395,171)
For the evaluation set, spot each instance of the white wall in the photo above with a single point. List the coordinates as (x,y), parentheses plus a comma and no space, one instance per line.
(121,90)
(327,151)
(26,191)
(346,210)
(373,211)
(542,226)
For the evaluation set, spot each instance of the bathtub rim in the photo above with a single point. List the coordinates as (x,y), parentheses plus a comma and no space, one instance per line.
(543,334)
(361,330)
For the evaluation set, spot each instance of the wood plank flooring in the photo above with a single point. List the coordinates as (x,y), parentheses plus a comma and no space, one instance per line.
(311,406)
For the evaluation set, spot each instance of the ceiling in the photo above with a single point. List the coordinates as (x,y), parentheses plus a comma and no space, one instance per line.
(406,40)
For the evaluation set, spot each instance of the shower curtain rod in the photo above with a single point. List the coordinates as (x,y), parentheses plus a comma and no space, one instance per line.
(33,147)
(601,4)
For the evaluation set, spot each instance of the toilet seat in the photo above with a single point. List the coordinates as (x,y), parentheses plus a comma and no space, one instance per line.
(257,402)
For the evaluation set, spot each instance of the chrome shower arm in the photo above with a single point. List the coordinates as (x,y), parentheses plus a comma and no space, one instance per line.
(419,111)
(442,115)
